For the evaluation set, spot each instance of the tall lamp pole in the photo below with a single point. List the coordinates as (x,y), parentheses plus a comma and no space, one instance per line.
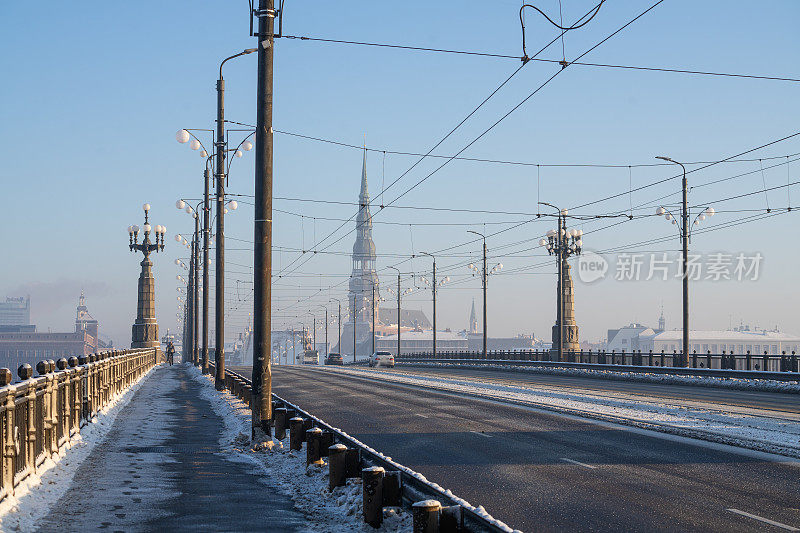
(145,329)
(434,290)
(684,236)
(339,324)
(398,310)
(484,277)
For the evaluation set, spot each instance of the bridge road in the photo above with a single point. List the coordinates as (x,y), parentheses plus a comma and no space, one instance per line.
(783,403)
(540,471)
(161,468)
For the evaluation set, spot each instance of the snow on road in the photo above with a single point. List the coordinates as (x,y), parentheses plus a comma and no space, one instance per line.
(768,431)
(339,511)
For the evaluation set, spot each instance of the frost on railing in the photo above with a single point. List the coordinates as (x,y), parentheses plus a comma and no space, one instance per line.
(40,415)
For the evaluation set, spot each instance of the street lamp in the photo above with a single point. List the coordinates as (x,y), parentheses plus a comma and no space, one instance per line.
(562,243)
(484,278)
(145,329)
(372,281)
(339,334)
(399,295)
(434,289)
(685,232)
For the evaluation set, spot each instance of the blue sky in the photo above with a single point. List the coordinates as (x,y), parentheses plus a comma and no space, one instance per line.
(94,94)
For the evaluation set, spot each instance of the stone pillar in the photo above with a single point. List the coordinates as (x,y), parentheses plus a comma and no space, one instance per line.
(145,329)
(571,342)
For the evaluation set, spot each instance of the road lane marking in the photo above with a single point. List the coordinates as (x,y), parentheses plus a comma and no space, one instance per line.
(765,520)
(481,434)
(423,416)
(577,463)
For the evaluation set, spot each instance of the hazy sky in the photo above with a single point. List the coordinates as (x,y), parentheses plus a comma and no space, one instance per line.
(94,93)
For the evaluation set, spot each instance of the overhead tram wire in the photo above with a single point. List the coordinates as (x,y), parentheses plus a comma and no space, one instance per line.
(671,70)
(595,46)
(441,141)
(501,161)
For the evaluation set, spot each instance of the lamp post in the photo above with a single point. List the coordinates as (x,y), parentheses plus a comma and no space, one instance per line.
(685,233)
(562,243)
(194,284)
(325,307)
(339,334)
(145,328)
(484,278)
(220,149)
(434,289)
(372,281)
(398,310)
(183,136)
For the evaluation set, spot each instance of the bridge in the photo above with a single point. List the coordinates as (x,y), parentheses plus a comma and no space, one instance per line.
(125,442)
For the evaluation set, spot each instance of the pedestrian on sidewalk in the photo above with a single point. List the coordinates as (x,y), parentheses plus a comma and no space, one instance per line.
(170,353)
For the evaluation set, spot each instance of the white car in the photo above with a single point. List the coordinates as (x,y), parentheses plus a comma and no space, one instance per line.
(381,359)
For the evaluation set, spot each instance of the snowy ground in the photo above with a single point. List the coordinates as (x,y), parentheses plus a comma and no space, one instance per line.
(339,511)
(35,496)
(766,385)
(760,430)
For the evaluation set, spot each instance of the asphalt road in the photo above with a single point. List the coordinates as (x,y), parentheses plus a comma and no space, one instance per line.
(769,401)
(540,471)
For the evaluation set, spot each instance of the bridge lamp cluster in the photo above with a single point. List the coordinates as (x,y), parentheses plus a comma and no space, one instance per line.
(158,232)
(477,271)
(183,137)
(439,283)
(571,241)
(708,212)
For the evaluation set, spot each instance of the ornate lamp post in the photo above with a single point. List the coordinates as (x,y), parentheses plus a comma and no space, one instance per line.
(484,278)
(563,243)
(434,289)
(145,329)
(684,231)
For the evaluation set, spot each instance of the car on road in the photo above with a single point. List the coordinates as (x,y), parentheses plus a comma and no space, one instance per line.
(310,357)
(334,359)
(381,359)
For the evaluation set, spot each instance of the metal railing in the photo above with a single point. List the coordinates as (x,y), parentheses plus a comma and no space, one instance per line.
(766,363)
(413,489)
(40,415)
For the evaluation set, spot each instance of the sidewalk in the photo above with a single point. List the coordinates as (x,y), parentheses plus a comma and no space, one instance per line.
(158,470)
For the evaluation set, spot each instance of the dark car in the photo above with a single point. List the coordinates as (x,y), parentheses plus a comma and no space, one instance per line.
(334,359)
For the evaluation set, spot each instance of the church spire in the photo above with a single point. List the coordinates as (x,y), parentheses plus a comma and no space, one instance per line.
(473,319)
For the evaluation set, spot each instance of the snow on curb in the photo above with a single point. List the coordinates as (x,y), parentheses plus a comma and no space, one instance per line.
(764,433)
(35,496)
(339,511)
(765,385)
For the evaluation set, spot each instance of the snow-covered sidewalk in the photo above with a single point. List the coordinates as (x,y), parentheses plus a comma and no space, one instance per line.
(34,497)
(766,432)
(337,511)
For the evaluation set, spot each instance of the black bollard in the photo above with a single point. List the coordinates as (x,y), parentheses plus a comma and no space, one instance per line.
(296,433)
(352,461)
(392,489)
(326,441)
(280,423)
(426,516)
(337,468)
(372,494)
(451,519)
(313,438)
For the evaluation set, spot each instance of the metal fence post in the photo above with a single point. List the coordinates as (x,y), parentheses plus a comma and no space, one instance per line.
(426,516)
(372,495)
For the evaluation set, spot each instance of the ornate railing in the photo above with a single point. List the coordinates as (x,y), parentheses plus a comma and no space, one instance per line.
(40,415)
(785,362)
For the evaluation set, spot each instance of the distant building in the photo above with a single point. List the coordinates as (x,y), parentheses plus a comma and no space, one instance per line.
(738,340)
(23,344)
(422,341)
(15,311)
